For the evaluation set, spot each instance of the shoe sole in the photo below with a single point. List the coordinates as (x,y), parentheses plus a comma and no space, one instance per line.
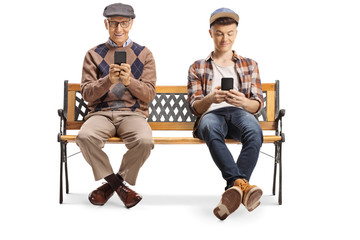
(230,201)
(251,200)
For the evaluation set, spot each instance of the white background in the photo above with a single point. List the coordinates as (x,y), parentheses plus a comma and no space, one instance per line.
(312,47)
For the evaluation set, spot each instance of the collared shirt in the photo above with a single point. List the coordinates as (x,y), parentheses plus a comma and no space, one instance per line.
(113,44)
(201,74)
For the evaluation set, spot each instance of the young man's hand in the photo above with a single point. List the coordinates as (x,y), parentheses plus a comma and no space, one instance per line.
(238,99)
(218,96)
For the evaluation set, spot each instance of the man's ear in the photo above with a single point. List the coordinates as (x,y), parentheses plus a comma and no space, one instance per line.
(210,33)
(106,24)
(131,23)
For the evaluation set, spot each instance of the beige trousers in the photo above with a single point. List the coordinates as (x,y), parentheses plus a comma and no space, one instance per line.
(131,127)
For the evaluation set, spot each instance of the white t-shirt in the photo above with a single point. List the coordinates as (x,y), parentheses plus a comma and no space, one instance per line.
(220,72)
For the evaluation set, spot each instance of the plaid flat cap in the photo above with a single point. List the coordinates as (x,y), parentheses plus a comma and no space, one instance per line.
(119,10)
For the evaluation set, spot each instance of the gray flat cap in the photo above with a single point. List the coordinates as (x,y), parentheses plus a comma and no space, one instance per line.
(119,10)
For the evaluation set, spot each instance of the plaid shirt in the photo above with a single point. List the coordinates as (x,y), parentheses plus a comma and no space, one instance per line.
(201,74)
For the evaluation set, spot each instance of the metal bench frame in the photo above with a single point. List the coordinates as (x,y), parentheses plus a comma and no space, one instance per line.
(169,111)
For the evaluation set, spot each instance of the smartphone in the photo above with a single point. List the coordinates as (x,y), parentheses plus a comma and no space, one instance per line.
(119,57)
(227,84)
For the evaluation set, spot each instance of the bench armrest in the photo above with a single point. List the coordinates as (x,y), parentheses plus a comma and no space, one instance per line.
(278,121)
(61,113)
(280,115)
(62,123)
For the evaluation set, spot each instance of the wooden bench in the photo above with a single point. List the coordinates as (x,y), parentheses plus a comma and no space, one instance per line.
(169,111)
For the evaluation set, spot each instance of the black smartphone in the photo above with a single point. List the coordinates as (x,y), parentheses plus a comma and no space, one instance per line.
(227,84)
(119,57)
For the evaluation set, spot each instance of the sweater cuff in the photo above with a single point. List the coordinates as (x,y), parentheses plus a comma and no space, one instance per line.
(106,82)
(131,80)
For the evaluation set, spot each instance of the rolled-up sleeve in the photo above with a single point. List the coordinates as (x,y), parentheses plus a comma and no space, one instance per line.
(194,87)
(255,89)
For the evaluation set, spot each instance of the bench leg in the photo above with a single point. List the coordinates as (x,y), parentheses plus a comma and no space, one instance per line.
(275,167)
(66,170)
(63,163)
(61,171)
(278,161)
(280,173)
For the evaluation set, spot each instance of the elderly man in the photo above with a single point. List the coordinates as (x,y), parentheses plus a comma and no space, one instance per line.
(224,113)
(118,96)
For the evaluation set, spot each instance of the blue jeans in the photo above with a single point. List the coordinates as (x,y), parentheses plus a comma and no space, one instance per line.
(235,123)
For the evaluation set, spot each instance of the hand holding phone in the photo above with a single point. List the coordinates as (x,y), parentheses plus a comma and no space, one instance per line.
(227,84)
(122,72)
(115,71)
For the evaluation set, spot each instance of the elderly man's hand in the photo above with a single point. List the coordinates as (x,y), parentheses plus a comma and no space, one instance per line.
(114,73)
(125,74)
(120,73)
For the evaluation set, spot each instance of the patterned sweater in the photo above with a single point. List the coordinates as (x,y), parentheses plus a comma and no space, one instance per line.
(102,95)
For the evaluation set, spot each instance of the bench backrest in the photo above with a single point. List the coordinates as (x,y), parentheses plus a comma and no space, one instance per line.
(169,109)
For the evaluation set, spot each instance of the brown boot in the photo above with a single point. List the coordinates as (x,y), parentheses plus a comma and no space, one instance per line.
(230,201)
(129,197)
(252,194)
(101,195)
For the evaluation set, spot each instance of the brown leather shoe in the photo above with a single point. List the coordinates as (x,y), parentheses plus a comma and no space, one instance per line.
(101,195)
(129,197)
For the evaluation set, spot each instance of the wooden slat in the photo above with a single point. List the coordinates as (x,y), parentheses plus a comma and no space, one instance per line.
(74,125)
(171,89)
(270,104)
(268,86)
(159,89)
(183,89)
(190,125)
(182,126)
(176,140)
(174,89)
(268,125)
(74,87)
(172,125)
(71,106)
(270,100)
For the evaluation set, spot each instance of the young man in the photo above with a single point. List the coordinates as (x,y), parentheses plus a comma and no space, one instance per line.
(228,114)
(118,96)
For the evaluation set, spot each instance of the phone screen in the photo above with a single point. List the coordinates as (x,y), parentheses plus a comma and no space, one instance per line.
(119,57)
(227,84)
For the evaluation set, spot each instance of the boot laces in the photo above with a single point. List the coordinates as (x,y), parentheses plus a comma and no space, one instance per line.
(244,186)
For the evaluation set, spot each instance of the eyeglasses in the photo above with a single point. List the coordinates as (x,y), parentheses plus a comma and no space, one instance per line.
(115,24)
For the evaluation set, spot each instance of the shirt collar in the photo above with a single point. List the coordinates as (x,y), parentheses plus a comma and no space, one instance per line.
(113,44)
(235,56)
